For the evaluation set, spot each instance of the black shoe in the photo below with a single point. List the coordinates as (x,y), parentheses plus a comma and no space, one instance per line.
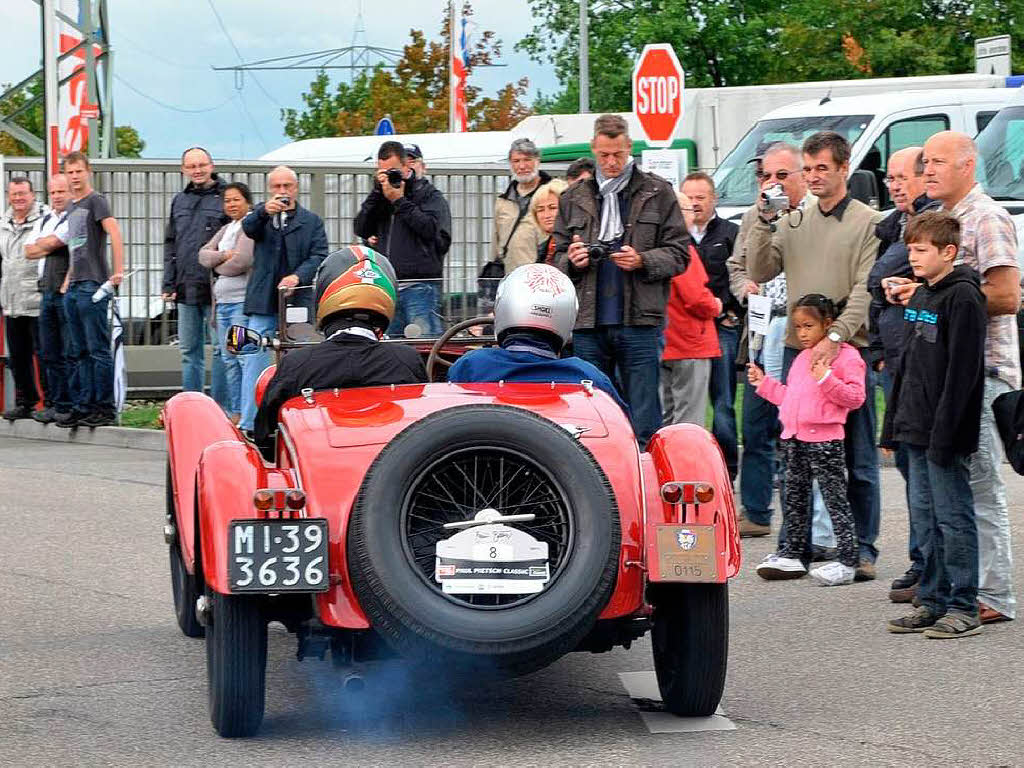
(68,420)
(820,554)
(45,416)
(18,412)
(904,589)
(98,419)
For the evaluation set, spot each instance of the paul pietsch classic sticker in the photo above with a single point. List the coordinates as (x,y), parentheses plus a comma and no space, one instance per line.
(687,553)
(492,559)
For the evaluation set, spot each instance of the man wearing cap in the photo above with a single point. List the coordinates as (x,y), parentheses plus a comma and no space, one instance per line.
(414,160)
(516,234)
(408,220)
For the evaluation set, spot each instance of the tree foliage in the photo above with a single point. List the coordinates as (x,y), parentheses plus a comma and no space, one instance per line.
(414,93)
(752,42)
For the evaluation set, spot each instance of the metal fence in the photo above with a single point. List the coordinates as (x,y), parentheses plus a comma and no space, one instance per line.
(140,193)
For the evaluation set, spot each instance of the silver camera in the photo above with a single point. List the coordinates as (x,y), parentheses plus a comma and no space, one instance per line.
(775,199)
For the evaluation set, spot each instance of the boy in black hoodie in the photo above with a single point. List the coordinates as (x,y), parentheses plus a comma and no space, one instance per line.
(935,410)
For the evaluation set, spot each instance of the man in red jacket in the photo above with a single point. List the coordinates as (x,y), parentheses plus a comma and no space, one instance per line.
(691,341)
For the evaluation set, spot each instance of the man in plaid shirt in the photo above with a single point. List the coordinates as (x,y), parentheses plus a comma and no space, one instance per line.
(988,243)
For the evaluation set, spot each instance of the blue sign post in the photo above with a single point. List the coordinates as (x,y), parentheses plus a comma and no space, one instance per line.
(385,127)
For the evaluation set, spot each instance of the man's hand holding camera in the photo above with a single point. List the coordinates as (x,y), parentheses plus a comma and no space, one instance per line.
(277,204)
(579,254)
(392,184)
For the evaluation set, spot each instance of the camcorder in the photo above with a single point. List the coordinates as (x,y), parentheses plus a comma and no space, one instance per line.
(775,199)
(395,177)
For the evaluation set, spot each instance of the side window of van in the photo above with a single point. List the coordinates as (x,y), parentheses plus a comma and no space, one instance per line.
(912,132)
(984,118)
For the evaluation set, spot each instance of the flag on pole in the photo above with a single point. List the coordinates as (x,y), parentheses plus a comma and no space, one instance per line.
(74,105)
(459,70)
(117,351)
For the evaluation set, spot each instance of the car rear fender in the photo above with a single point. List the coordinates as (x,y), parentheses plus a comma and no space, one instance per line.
(192,422)
(229,473)
(689,542)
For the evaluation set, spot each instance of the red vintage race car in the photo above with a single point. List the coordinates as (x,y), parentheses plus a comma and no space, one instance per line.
(478,529)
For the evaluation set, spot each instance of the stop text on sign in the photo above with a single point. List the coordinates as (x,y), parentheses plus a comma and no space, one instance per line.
(656,95)
(658,82)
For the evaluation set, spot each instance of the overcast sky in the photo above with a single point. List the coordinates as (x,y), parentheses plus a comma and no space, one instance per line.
(165,48)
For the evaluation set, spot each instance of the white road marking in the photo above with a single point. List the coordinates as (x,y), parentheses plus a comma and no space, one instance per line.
(644,686)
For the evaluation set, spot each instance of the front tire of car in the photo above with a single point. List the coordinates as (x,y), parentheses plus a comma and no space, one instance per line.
(690,638)
(236,664)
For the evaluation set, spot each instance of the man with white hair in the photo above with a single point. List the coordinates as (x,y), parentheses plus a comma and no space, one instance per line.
(290,242)
(516,235)
(988,243)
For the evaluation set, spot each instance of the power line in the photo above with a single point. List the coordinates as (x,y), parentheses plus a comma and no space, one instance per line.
(171,107)
(238,53)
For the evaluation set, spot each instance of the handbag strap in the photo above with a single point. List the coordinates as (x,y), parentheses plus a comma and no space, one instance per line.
(522,214)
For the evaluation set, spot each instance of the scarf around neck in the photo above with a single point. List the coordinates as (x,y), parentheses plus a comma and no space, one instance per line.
(611,218)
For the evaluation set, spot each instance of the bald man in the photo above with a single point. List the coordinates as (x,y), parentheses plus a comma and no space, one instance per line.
(988,243)
(290,242)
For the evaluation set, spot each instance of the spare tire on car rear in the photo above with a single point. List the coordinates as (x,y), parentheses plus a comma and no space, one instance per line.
(448,467)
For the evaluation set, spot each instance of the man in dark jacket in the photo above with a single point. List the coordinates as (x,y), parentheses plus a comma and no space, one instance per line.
(623,285)
(715,239)
(290,242)
(197,212)
(408,220)
(355,301)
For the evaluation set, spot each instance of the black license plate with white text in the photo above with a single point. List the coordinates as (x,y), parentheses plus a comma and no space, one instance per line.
(278,555)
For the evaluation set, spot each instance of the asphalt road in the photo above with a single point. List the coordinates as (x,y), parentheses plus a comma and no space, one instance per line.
(93,670)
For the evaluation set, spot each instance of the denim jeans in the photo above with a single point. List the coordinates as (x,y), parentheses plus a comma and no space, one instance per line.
(22,334)
(92,382)
(253,366)
(995,576)
(54,351)
(903,465)
(228,315)
(943,511)
(863,485)
(195,324)
(418,304)
(632,352)
(723,396)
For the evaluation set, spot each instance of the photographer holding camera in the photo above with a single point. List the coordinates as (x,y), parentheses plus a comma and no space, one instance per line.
(408,220)
(621,238)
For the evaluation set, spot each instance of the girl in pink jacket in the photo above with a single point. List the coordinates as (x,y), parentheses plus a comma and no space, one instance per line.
(813,404)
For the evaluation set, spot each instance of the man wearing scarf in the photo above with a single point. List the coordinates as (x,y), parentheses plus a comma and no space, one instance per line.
(624,286)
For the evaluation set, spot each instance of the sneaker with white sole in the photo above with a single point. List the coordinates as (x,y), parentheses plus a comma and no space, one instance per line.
(833,574)
(775,568)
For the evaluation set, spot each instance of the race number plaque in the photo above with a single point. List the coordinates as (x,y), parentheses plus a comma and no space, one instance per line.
(687,553)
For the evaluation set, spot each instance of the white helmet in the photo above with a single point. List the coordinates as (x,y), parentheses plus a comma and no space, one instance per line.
(537,297)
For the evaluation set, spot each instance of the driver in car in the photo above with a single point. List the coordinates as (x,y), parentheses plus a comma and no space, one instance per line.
(534,314)
(355,302)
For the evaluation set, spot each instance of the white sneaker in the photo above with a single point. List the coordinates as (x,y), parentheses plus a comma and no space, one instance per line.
(833,574)
(775,568)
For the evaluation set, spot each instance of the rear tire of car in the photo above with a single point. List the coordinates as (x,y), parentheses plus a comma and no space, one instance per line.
(236,664)
(183,587)
(410,612)
(690,638)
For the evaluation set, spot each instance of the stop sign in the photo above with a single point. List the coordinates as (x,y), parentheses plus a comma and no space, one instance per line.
(658,93)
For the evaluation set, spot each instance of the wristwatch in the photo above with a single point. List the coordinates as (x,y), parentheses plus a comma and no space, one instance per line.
(834,337)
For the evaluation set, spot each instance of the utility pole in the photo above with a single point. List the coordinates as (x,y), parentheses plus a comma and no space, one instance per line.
(51,120)
(584,59)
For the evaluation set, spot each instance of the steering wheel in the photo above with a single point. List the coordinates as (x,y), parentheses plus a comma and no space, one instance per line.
(435,351)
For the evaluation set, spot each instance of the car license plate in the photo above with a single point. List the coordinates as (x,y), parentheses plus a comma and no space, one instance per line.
(278,555)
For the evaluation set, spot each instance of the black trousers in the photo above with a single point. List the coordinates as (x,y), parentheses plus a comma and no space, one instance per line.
(22,343)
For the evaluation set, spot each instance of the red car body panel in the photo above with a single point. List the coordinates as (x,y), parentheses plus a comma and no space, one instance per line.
(328,441)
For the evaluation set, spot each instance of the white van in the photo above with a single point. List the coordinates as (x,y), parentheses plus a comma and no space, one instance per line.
(876,126)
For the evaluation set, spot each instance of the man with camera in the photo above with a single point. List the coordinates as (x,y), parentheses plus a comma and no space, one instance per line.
(407,219)
(289,244)
(621,238)
(829,248)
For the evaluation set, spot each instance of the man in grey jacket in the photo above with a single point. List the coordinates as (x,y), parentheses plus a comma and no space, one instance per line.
(197,212)
(19,294)
(622,284)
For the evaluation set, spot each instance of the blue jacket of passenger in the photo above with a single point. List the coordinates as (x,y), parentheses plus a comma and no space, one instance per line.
(521,359)
(299,251)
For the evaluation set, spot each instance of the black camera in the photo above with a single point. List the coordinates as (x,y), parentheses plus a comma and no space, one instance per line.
(395,177)
(284,200)
(597,252)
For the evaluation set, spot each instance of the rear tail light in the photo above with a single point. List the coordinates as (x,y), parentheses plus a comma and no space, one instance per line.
(672,493)
(263,499)
(687,493)
(704,493)
(295,500)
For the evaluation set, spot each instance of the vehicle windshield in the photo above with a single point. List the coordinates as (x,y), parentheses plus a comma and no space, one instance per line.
(1001,155)
(734,178)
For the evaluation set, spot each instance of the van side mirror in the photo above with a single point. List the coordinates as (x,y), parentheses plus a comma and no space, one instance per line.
(244,341)
(863,186)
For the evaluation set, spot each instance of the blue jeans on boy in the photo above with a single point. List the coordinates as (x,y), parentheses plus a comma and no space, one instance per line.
(253,366)
(863,485)
(903,465)
(92,382)
(227,315)
(722,391)
(631,352)
(54,351)
(942,508)
(418,304)
(194,326)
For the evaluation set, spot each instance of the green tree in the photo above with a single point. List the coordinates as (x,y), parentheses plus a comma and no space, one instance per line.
(129,143)
(414,93)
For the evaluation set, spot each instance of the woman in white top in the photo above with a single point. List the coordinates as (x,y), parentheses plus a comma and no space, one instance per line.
(229,255)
